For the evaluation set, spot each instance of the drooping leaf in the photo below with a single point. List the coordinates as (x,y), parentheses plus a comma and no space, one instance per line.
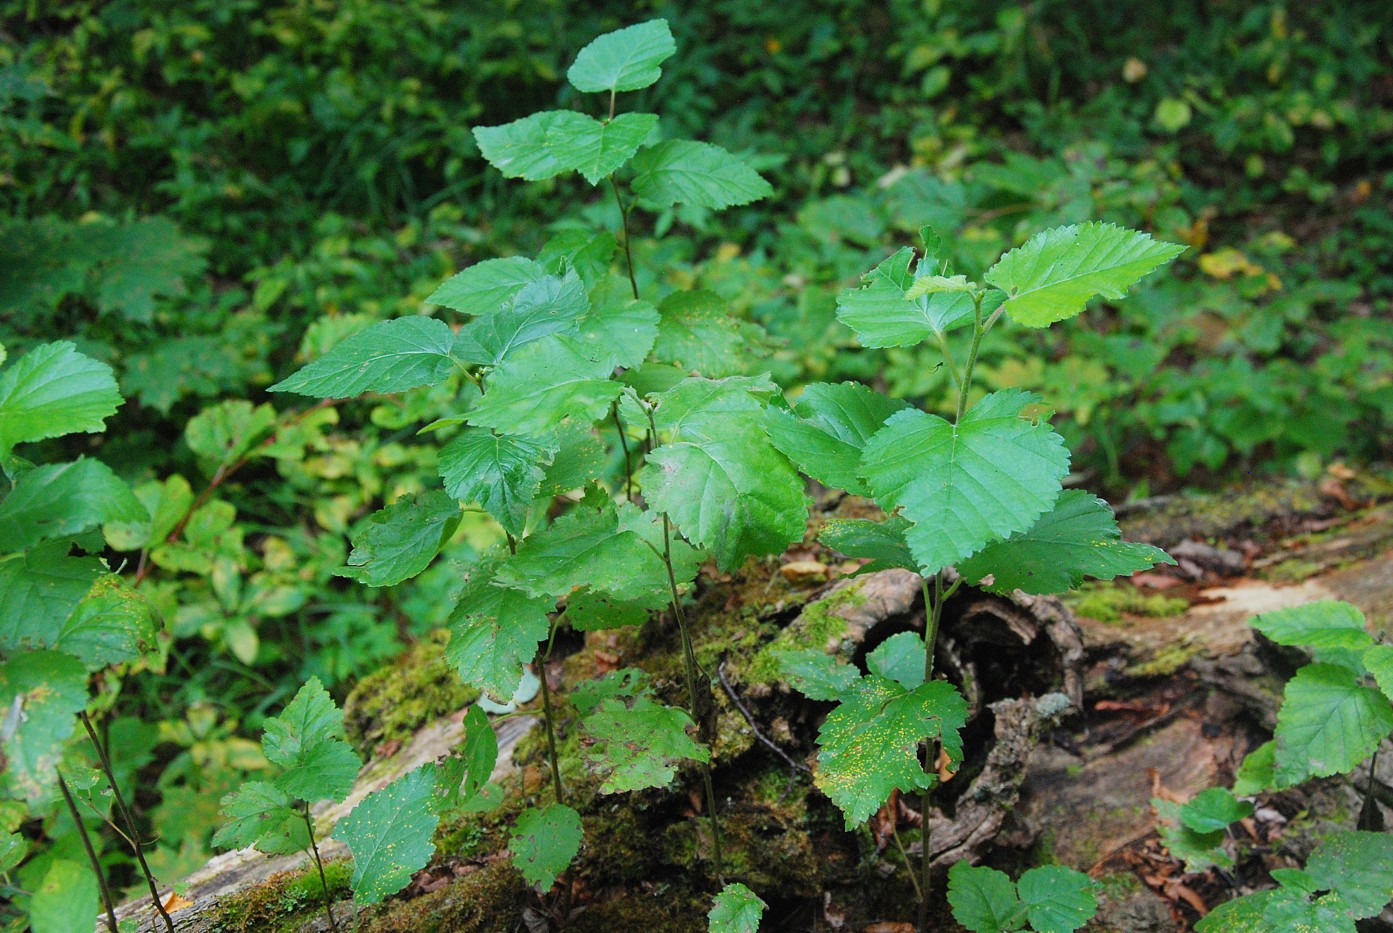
(828,430)
(392,356)
(589,611)
(478,756)
(519,149)
(307,741)
(697,333)
(493,632)
(66,900)
(1057,899)
(61,499)
(114,623)
(984,899)
(1198,850)
(1324,624)
(1214,809)
(543,384)
(550,305)
(398,542)
(39,590)
(737,910)
(260,814)
(53,390)
(992,475)
(701,174)
(544,842)
(389,834)
(883,315)
(639,743)
(597,149)
(484,287)
(1077,538)
(883,543)
(1327,724)
(1257,771)
(41,693)
(816,674)
(501,472)
(1054,274)
(1358,865)
(869,744)
(624,60)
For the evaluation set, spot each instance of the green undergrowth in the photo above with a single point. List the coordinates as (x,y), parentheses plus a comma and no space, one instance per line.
(1112,602)
(417,688)
(283,902)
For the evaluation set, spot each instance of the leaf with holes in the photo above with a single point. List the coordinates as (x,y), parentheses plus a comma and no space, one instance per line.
(639,744)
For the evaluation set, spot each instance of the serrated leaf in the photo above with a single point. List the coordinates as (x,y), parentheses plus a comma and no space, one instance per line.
(39,590)
(883,315)
(1378,661)
(260,814)
(392,356)
(62,499)
(1242,914)
(53,390)
(550,305)
(166,502)
(389,834)
(41,693)
(828,429)
(699,408)
(698,334)
(307,740)
(13,849)
(493,632)
(597,149)
(992,475)
(519,149)
(1327,914)
(734,495)
(501,472)
(589,611)
(1358,865)
(1057,899)
(700,174)
(639,744)
(1077,538)
(816,674)
(113,624)
(1198,850)
(544,842)
(1322,625)
(883,543)
(400,541)
(478,753)
(624,60)
(900,658)
(1054,274)
(869,744)
(737,910)
(1213,809)
(543,384)
(484,287)
(587,251)
(619,334)
(1327,724)
(228,430)
(984,899)
(65,901)
(579,458)
(151,258)
(1257,771)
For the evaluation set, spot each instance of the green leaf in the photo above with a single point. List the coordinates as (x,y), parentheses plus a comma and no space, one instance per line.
(398,542)
(734,495)
(579,458)
(519,149)
(493,632)
(1057,899)
(828,430)
(587,251)
(392,356)
(883,315)
(619,334)
(260,814)
(816,674)
(900,658)
(1075,539)
(389,834)
(1327,724)
(226,431)
(478,756)
(1326,624)
(624,60)
(65,901)
(588,611)
(543,384)
(53,390)
(700,174)
(13,849)
(550,305)
(991,476)
(639,744)
(1378,661)
(698,334)
(1244,914)
(484,287)
(112,625)
(39,590)
(501,472)
(1212,810)
(1358,865)
(1326,914)
(882,542)
(307,740)
(869,744)
(166,502)
(1054,274)
(63,499)
(41,693)
(544,842)
(150,257)
(697,408)
(1257,771)
(597,149)
(1198,850)
(984,899)
(737,910)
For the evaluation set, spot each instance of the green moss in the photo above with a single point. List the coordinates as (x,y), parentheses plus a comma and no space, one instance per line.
(1118,885)
(1167,661)
(1107,602)
(396,701)
(1293,571)
(491,898)
(284,900)
(817,626)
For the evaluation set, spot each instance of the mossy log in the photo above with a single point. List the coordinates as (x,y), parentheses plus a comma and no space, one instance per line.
(1081,710)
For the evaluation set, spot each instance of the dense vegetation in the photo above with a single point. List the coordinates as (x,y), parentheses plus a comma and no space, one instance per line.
(206,196)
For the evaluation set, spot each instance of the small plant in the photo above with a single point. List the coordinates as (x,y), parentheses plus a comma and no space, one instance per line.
(1048,899)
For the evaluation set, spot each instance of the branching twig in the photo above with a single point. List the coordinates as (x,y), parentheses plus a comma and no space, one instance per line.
(764,739)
